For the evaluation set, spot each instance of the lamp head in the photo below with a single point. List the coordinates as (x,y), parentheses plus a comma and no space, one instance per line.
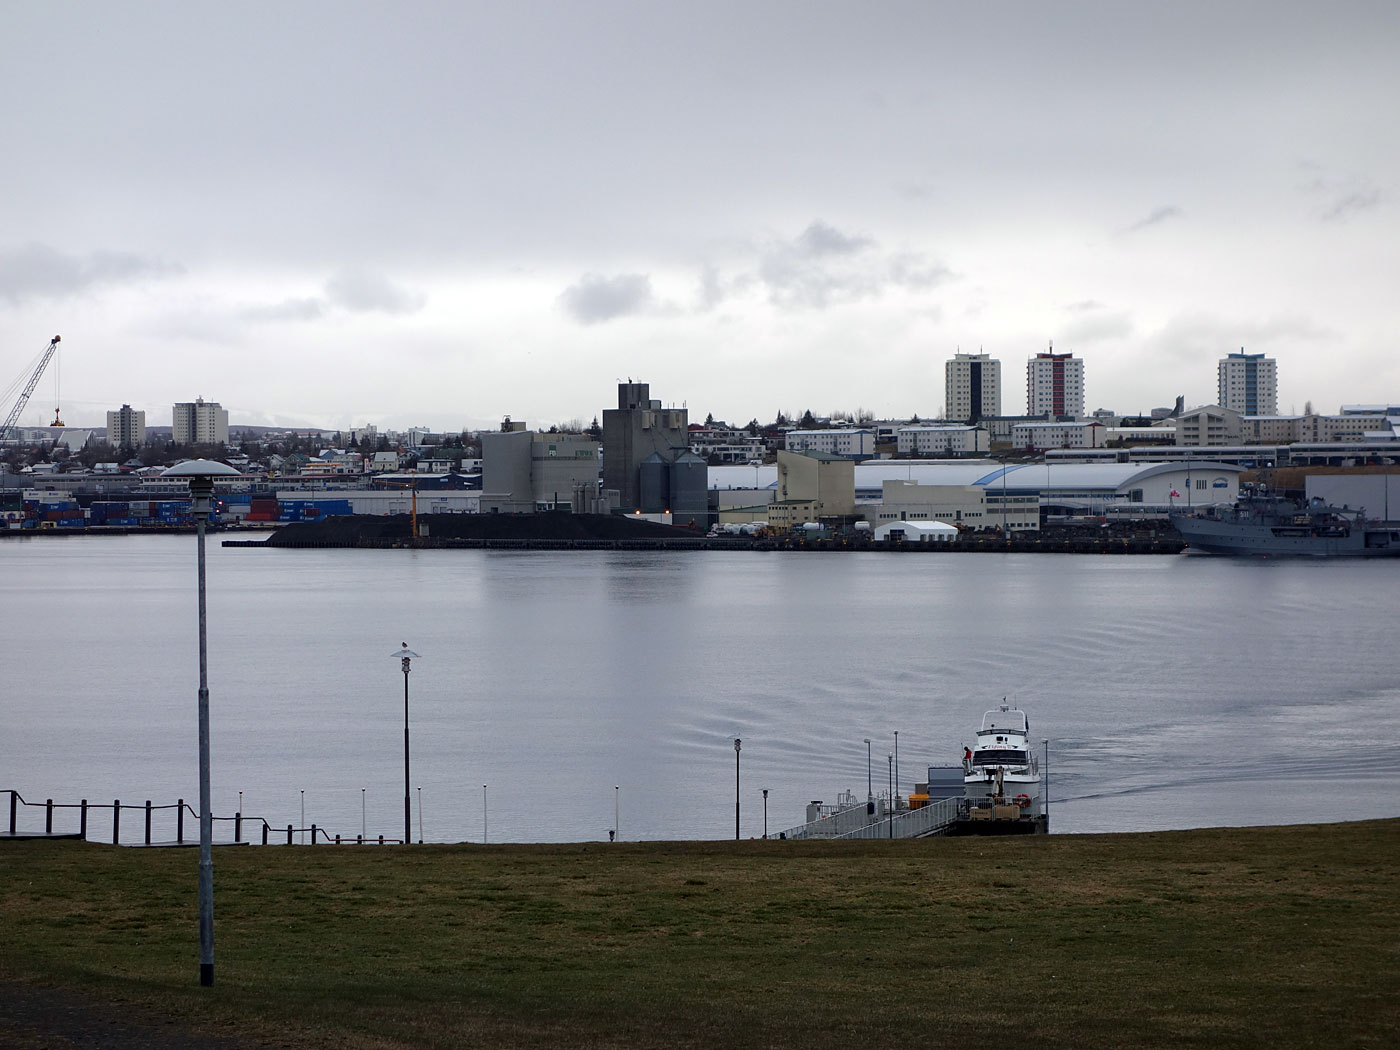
(200,475)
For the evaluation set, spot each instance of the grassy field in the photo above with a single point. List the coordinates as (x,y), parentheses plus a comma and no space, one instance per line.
(1259,937)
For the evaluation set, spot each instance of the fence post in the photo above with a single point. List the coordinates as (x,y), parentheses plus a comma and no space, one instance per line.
(116,821)
(14,800)
(82,820)
(265,827)
(381,840)
(313,834)
(359,840)
(179,820)
(337,840)
(48,816)
(238,826)
(148,822)
(289,834)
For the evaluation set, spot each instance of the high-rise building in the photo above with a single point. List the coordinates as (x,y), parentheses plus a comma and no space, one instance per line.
(1249,384)
(199,422)
(972,386)
(126,427)
(1055,385)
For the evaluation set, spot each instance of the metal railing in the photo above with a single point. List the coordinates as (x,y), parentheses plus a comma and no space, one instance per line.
(152,813)
(911,824)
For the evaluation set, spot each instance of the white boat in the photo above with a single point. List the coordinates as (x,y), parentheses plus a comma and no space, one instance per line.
(1001,773)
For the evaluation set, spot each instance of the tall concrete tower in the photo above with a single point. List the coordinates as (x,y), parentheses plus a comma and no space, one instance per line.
(637,428)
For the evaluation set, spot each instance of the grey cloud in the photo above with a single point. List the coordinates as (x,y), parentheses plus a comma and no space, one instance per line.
(286,310)
(1155,217)
(38,271)
(1343,196)
(1349,204)
(820,239)
(1084,305)
(367,291)
(595,298)
(823,266)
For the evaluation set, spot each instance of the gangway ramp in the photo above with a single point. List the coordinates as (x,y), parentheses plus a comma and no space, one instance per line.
(932,819)
(857,822)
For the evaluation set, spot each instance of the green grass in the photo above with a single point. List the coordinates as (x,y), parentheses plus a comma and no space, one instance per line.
(1260,937)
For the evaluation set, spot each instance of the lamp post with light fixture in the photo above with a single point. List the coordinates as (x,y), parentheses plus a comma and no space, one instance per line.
(737,743)
(406,655)
(200,474)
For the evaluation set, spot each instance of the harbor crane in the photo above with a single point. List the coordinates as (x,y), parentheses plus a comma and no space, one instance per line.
(44,358)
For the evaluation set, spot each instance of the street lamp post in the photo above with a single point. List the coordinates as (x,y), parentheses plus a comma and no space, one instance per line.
(200,473)
(617,812)
(869,784)
(420,814)
(891,794)
(896,758)
(406,655)
(765,812)
(737,743)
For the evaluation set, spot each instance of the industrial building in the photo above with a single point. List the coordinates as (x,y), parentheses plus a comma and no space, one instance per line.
(642,440)
(525,471)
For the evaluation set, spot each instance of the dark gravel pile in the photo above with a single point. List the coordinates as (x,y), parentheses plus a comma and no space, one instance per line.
(347,530)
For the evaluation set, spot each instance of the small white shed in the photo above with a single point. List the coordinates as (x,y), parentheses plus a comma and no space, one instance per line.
(917,531)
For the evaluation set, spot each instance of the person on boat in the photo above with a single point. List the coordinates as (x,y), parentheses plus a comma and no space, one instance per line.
(967,758)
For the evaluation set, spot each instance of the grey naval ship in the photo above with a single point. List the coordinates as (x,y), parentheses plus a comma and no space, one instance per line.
(1263,523)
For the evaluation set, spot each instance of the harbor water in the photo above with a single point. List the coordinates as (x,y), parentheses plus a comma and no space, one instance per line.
(1174,691)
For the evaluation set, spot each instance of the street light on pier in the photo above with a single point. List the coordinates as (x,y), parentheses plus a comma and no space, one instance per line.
(200,473)
(406,655)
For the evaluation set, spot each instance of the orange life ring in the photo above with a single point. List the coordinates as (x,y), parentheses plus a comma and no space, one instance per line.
(1023,801)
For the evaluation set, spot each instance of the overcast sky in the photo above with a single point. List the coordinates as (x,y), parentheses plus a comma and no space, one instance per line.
(335,214)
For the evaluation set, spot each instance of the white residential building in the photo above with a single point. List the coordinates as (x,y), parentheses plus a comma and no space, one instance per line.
(1209,425)
(848,444)
(199,422)
(942,440)
(1248,384)
(126,427)
(1055,384)
(1041,436)
(972,388)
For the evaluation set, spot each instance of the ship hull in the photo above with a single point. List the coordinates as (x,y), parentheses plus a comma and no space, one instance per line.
(1221,537)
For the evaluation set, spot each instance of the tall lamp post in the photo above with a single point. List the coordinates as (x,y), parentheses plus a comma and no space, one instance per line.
(765,812)
(737,742)
(406,655)
(891,794)
(896,760)
(200,473)
(869,784)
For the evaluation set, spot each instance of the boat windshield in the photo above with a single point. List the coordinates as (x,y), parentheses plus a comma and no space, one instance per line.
(1000,757)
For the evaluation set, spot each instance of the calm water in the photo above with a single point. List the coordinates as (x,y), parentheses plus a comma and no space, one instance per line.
(1175,691)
